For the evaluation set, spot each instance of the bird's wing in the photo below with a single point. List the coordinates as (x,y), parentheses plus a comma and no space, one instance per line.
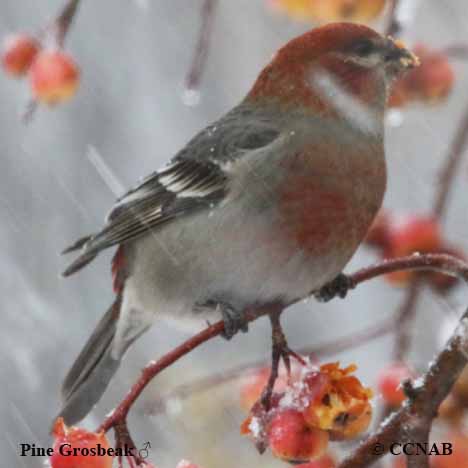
(192,181)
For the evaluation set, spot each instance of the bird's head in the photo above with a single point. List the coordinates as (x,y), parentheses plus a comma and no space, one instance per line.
(330,67)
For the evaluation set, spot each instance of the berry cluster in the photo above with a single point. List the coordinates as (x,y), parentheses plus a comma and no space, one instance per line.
(330,10)
(321,404)
(53,74)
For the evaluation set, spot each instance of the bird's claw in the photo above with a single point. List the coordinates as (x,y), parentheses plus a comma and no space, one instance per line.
(337,287)
(234,320)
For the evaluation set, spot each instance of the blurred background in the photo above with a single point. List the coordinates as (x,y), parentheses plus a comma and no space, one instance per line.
(131,115)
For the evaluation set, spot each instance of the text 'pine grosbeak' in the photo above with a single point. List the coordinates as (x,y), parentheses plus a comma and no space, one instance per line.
(263,206)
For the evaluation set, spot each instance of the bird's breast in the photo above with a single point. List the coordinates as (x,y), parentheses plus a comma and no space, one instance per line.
(329,197)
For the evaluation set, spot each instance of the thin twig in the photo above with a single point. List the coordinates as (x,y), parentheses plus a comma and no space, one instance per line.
(193,78)
(405,316)
(154,368)
(393,27)
(278,342)
(64,20)
(456,51)
(450,170)
(432,262)
(442,263)
(56,32)
(330,348)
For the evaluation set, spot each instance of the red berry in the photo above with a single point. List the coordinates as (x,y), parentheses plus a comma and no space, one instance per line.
(54,77)
(399,462)
(389,382)
(459,456)
(74,447)
(435,77)
(411,234)
(337,402)
(290,438)
(18,54)
(327,461)
(414,234)
(378,234)
(314,386)
(431,81)
(352,422)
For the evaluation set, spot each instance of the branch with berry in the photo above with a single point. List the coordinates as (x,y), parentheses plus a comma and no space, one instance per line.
(53,75)
(321,403)
(297,413)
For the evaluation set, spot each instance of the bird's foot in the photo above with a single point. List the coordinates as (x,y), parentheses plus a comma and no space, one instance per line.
(280,352)
(337,287)
(234,320)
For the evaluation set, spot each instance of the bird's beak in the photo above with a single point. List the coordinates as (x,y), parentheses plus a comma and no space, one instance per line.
(396,53)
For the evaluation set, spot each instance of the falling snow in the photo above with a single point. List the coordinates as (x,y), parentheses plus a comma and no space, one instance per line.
(61,174)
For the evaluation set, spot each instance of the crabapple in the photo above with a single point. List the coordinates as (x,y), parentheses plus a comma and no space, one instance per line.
(18,54)
(54,77)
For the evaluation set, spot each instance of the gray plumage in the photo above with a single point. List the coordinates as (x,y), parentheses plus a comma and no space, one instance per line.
(190,182)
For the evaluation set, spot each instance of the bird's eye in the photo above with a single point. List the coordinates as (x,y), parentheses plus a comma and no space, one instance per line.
(363,48)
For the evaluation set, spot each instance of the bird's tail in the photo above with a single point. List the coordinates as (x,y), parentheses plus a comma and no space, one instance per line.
(93,369)
(86,256)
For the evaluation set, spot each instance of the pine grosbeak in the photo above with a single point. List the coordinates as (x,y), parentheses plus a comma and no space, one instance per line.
(266,205)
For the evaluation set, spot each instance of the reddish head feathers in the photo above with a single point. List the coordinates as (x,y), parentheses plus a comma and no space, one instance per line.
(356,58)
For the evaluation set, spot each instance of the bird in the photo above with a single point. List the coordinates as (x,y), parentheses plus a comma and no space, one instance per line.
(265,205)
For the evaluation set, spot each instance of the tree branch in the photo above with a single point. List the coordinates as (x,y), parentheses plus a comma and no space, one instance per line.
(418,432)
(404,318)
(433,262)
(456,51)
(64,20)
(330,348)
(192,80)
(448,173)
(428,392)
(393,26)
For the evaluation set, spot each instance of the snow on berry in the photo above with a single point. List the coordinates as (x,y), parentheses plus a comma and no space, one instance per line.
(323,403)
